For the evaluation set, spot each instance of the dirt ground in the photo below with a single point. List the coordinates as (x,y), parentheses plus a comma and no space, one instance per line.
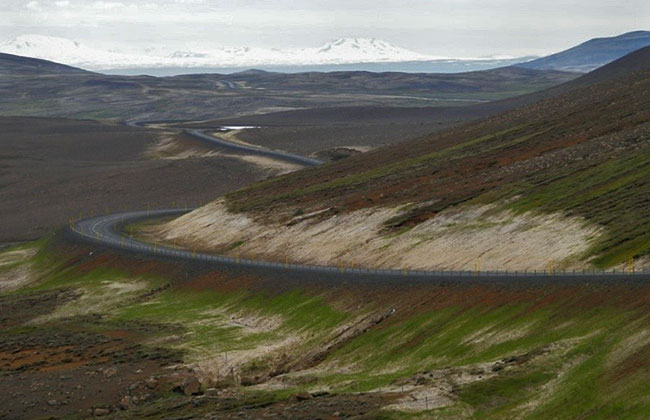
(54,170)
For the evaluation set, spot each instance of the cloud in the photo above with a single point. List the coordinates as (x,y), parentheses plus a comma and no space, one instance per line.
(34,5)
(438,27)
(107,5)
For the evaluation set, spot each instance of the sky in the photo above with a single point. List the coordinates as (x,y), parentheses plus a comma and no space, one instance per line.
(459,28)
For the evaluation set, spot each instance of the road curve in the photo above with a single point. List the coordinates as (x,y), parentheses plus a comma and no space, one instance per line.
(237,147)
(109,231)
(275,154)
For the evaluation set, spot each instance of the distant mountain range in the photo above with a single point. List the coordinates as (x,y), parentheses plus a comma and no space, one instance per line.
(343,51)
(345,54)
(592,54)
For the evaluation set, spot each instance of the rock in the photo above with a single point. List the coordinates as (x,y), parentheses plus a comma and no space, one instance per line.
(134,386)
(191,385)
(51,402)
(126,403)
(151,383)
(98,412)
(212,392)
(303,396)
(110,372)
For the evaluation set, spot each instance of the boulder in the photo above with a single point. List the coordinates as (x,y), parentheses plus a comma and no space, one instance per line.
(110,372)
(98,412)
(191,385)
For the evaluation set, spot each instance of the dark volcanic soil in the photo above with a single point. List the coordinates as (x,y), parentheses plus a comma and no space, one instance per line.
(53,170)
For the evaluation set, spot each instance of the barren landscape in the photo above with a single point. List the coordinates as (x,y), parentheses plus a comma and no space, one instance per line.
(209,246)
(543,178)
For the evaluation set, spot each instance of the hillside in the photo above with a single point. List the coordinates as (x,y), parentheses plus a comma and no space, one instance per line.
(559,184)
(593,53)
(88,332)
(19,65)
(210,96)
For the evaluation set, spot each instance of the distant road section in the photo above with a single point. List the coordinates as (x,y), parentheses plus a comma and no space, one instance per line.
(274,154)
(238,147)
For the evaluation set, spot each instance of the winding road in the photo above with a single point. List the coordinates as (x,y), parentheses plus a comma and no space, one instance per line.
(274,154)
(108,231)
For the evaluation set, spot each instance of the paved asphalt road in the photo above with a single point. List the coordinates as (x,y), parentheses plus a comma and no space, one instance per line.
(108,231)
(275,154)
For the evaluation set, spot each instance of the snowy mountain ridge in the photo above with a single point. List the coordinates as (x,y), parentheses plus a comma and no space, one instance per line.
(341,51)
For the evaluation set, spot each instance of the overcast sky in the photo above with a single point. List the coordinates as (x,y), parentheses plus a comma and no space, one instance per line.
(437,27)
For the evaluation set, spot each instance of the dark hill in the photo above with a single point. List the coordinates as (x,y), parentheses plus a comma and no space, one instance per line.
(593,53)
(19,65)
(32,91)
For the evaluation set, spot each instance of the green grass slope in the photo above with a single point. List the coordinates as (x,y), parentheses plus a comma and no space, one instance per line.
(585,152)
(427,350)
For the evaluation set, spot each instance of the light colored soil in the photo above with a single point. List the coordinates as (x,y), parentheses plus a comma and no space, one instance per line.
(233,137)
(483,237)
(248,323)
(628,347)
(272,166)
(168,147)
(15,270)
(100,298)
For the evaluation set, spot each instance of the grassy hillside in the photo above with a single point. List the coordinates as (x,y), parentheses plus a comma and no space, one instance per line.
(584,153)
(113,327)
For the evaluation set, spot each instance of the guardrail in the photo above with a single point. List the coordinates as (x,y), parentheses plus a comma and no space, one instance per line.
(107,231)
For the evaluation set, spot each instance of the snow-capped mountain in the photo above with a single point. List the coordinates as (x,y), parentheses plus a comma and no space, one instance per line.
(341,51)
(363,50)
